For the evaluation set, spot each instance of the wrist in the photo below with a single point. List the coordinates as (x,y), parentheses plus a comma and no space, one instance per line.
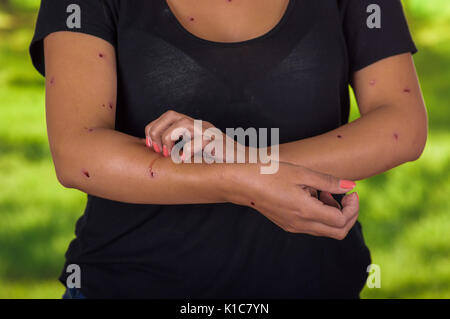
(235,182)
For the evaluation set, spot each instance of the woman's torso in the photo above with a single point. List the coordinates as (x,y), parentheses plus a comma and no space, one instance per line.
(293,76)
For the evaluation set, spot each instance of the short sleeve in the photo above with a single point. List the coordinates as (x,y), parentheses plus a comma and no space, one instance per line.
(93,17)
(374,30)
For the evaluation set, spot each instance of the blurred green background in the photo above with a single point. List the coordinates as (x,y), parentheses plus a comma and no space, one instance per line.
(405,213)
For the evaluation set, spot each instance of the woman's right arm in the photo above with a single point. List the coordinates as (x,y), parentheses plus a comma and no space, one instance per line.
(90,155)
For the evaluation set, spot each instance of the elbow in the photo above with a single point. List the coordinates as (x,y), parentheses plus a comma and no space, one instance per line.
(416,152)
(418,140)
(64,180)
(61,168)
(62,175)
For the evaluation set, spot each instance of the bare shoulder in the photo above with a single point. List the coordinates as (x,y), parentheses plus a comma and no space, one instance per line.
(81,83)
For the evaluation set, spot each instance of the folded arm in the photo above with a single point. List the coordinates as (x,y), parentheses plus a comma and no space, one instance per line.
(90,155)
(392,128)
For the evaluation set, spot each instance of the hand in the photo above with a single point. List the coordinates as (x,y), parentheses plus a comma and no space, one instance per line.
(287,200)
(324,197)
(162,133)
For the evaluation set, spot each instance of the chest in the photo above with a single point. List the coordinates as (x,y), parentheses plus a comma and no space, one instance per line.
(293,76)
(228,20)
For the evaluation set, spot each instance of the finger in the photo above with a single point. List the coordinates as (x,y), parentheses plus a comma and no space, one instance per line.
(168,114)
(183,127)
(325,182)
(313,192)
(328,199)
(148,139)
(155,130)
(350,212)
(350,205)
(192,146)
(315,210)
(212,142)
(319,229)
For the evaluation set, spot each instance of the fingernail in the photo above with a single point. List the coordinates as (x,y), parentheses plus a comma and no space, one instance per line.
(357,196)
(156,148)
(148,142)
(347,184)
(165,151)
(182,157)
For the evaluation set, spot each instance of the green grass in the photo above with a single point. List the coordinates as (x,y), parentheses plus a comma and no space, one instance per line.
(405,212)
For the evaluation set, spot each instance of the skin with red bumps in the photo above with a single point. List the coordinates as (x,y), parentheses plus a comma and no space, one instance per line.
(150,168)
(120,178)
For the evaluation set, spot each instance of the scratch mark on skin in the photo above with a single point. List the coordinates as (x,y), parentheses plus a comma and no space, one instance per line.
(86,173)
(150,168)
(252,203)
(396,136)
(101,55)
(89,129)
(52,80)
(103,105)
(110,105)
(407,90)
(373,82)
(191,19)
(339,136)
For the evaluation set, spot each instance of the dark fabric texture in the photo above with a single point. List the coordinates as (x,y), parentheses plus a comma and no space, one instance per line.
(73,293)
(295,77)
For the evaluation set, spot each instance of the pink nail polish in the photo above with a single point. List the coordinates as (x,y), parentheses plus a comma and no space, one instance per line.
(165,151)
(357,196)
(156,148)
(347,184)
(148,142)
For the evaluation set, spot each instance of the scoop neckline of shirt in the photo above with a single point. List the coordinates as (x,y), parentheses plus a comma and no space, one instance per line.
(277,26)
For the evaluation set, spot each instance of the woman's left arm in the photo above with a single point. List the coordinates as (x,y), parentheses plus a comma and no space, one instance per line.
(392,128)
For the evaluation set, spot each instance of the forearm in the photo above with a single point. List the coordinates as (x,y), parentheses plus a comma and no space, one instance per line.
(116,166)
(380,140)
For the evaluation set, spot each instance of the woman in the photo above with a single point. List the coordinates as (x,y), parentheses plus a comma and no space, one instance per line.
(120,71)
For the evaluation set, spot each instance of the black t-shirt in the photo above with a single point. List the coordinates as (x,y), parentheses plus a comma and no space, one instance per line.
(294,77)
